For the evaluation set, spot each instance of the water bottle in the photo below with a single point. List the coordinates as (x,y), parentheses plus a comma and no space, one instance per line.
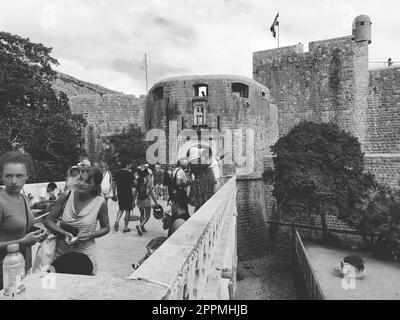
(13,271)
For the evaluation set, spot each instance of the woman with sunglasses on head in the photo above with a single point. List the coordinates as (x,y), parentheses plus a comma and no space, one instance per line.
(84,206)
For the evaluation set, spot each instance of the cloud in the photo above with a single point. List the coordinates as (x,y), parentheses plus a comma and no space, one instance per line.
(158,70)
(104,41)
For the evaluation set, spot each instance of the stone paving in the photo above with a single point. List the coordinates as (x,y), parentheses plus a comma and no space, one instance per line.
(117,250)
(382,280)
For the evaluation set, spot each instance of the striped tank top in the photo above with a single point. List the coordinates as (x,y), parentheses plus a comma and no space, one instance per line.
(86,222)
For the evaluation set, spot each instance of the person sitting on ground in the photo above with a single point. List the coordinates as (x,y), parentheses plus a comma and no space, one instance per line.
(84,208)
(151,247)
(72,178)
(144,193)
(16,219)
(48,193)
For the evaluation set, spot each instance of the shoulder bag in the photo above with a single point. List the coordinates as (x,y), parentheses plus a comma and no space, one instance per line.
(47,249)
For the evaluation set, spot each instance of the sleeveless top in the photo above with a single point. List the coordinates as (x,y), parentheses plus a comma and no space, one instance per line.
(86,222)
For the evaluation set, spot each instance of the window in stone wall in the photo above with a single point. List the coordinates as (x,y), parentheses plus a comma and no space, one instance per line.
(158,93)
(219,123)
(200,90)
(240,90)
(263,94)
(199,115)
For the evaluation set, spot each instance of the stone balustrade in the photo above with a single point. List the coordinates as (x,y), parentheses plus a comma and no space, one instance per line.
(199,260)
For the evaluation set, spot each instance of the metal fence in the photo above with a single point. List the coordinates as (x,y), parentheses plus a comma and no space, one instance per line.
(306,280)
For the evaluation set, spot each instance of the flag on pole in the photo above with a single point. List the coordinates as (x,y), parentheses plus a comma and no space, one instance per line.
(275,24)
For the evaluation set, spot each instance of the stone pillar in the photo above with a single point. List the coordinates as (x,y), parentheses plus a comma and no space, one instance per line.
(252,232)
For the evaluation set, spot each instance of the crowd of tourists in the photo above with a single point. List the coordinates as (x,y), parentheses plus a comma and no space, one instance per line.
(80,211)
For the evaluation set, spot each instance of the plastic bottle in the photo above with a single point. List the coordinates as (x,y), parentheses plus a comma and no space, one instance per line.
(13,271)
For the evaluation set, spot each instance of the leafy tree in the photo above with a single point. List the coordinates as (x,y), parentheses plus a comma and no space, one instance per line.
(379,213)
(33,118)
(319,170)
(127,147)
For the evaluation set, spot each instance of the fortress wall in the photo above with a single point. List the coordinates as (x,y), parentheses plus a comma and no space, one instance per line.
(328,83)
(106,115)
(382,141)
(383,125)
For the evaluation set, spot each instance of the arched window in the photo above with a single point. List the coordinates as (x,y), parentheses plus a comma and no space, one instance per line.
(158,93)
(240,90)
(201,90)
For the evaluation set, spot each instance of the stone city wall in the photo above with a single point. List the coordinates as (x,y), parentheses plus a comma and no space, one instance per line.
(106,115)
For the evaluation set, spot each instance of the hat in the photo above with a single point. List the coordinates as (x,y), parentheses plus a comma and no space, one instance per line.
(74,167)
(195,153)
(158,212)
(84,163)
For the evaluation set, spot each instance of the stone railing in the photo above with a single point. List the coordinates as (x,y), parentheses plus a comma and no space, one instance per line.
(199,260)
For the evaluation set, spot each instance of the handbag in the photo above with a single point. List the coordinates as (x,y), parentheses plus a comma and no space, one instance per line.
(45,254)
(47,249)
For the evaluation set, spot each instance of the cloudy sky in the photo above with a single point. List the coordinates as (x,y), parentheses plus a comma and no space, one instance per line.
(104,41)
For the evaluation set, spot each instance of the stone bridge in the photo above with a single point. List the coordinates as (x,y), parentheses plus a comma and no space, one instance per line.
(197,262)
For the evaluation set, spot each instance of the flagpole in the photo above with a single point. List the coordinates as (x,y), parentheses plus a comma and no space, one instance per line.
(147,82)
(279,25)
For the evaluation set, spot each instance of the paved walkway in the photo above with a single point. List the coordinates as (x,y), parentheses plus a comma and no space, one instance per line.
(117,250)
(382,281)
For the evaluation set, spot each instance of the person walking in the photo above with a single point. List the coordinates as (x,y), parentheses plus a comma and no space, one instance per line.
(106,183)
(84,208)
(16,218)
(123,185)
(178,196)
(144,193)
(158,181)
(202,187)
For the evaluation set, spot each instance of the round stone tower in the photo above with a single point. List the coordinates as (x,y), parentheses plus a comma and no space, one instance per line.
(362,29)
(225,104)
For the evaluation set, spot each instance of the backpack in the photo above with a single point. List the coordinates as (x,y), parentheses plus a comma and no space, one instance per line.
(143,191)
(167,179)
